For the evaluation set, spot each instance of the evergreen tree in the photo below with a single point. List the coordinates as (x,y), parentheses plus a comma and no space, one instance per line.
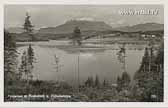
(97,83)
(31,58)
(160,56)
(119,83)
(10,60)
(77,36)
(123,81)
(126,79)
(27,61)
(105,83)
(159,75)
(26,66)
(23,70)
(142,74)
(28,27)
(149,77)
(89,82)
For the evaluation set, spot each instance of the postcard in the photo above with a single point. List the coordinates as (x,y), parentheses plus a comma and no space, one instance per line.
(83,53)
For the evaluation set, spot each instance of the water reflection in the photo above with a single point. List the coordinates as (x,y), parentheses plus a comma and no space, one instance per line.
(93,61)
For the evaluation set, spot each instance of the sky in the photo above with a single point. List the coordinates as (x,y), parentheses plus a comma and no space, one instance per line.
(54,15)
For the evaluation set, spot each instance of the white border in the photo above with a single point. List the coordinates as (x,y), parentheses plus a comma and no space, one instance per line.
(85,104)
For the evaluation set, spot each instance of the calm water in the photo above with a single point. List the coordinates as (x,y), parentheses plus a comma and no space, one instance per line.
(98,60)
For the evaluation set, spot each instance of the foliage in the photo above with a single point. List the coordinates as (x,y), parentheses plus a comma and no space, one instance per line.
(27,24)
(27,61)
(89,82)
(76,36)
(26,67)
(105,83)
(10,61)
(97,82)
(123,82)
(28,27)
(149,77)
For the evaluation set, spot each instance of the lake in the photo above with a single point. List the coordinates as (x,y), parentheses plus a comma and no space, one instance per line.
(94,59)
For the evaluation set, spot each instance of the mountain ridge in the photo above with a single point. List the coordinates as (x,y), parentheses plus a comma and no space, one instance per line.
(141,27)
(69,26)
(82,24)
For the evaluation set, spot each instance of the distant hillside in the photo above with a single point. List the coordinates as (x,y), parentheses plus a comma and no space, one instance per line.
(141,27)
(15,30)
(88,28)
(69,26)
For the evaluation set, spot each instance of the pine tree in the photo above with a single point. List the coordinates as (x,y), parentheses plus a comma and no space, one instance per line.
(10,60)
(123,82)
(119,83)
(149,77)
(89,82)
(142,74)
(28,27)
(126,79)
(159,75)
(31,58)
(23,70)
(26,66)
(97,83)
(27,61)
(77,36)
(160,56)
(105,83)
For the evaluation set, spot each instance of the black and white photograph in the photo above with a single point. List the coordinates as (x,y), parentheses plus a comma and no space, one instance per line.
(83,53)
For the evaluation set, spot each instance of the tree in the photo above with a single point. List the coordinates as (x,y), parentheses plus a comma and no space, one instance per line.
(159,75)
(160,56)
(149,77)
(105,83)
(142,74)
(126,79)
(27,61)
(89,82)
(28,27)
(10,61)
(123,81)
(97,83)
(77,36)
(31,58)
(119,83)
(26,66)
(121,57)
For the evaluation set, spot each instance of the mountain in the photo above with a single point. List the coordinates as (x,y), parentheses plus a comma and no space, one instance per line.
(15,30)
(69,26)
(90,27)
(141,27)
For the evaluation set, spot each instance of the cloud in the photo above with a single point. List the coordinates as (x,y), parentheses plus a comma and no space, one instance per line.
(53,15)
(121,21)
(86,18)
(32,9)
